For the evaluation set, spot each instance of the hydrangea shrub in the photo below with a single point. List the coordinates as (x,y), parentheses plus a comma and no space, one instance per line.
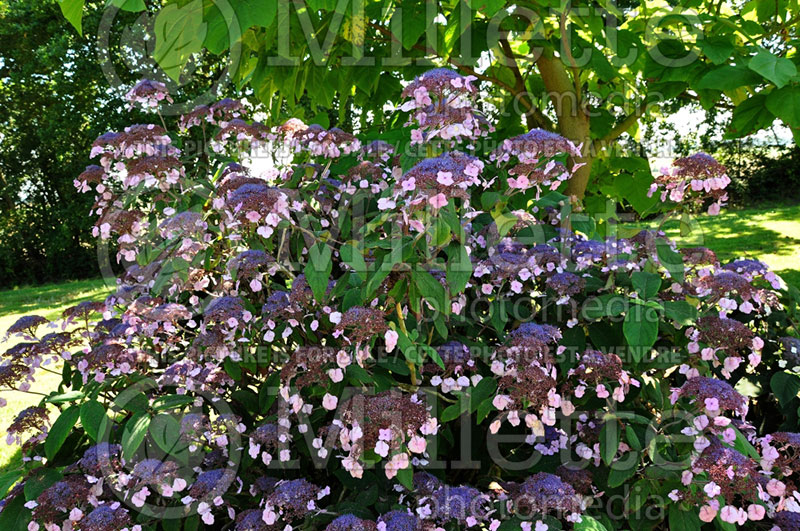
(395,336)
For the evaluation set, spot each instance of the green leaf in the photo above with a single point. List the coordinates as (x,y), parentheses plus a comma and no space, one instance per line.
(505,222)
(785,385)
(633,188)
(451,412)
(632,439)
(459,268)
(318,270)
(609,440)
(641,330)
(232,368)
(620,474)
(718,48)
(670,260)
(785,104)
(180,32)
(481,392)
(638,495)
(588,523)
(750,115)
(728,78)
(779,70)
(683,520)
(40,480)
(430,288)
(646,284)
(607,305)
(255,13)
(487,7)
(411,20)
(680,311)
(15,517)
(134,6)
(166,433)
(69,396)
(7,480)
(134,433)
(94,419)
(73,12)
(484,409)
(406,477)
(743,446)
(352,256)
(432,354)
(60,430)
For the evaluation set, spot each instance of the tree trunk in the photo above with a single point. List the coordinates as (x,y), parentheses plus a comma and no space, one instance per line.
(573,121)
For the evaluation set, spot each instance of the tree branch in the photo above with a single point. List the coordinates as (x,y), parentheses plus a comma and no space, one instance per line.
(520,90)
(625,124)
(576,79)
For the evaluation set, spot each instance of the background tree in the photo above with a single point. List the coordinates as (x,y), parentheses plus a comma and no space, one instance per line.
(56,98)
(588,70)
(54,102)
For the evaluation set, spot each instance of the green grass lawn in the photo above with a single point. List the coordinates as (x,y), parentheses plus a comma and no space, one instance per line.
(770,234)
(49,301)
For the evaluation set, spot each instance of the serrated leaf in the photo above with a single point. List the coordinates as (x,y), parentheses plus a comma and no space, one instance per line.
(39,481)
(484,390)
(607,305)
(619,474)
(255,13)
(69,396)
(632,439)
(451,412)
(717,48)
(7,480)
(406,477)
(133,6)
(670,260)
(728,78)
(588,523)
(352,256)
(638,496)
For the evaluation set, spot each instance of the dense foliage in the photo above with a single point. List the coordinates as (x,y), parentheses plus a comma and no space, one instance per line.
(56,97)
(585,69)
(52,99)
(405,335)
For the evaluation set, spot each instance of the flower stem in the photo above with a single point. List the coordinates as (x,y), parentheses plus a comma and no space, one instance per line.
(402,324)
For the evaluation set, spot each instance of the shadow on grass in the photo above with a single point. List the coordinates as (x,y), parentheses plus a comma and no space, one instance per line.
(770,235)
(13,463)
(31,299)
